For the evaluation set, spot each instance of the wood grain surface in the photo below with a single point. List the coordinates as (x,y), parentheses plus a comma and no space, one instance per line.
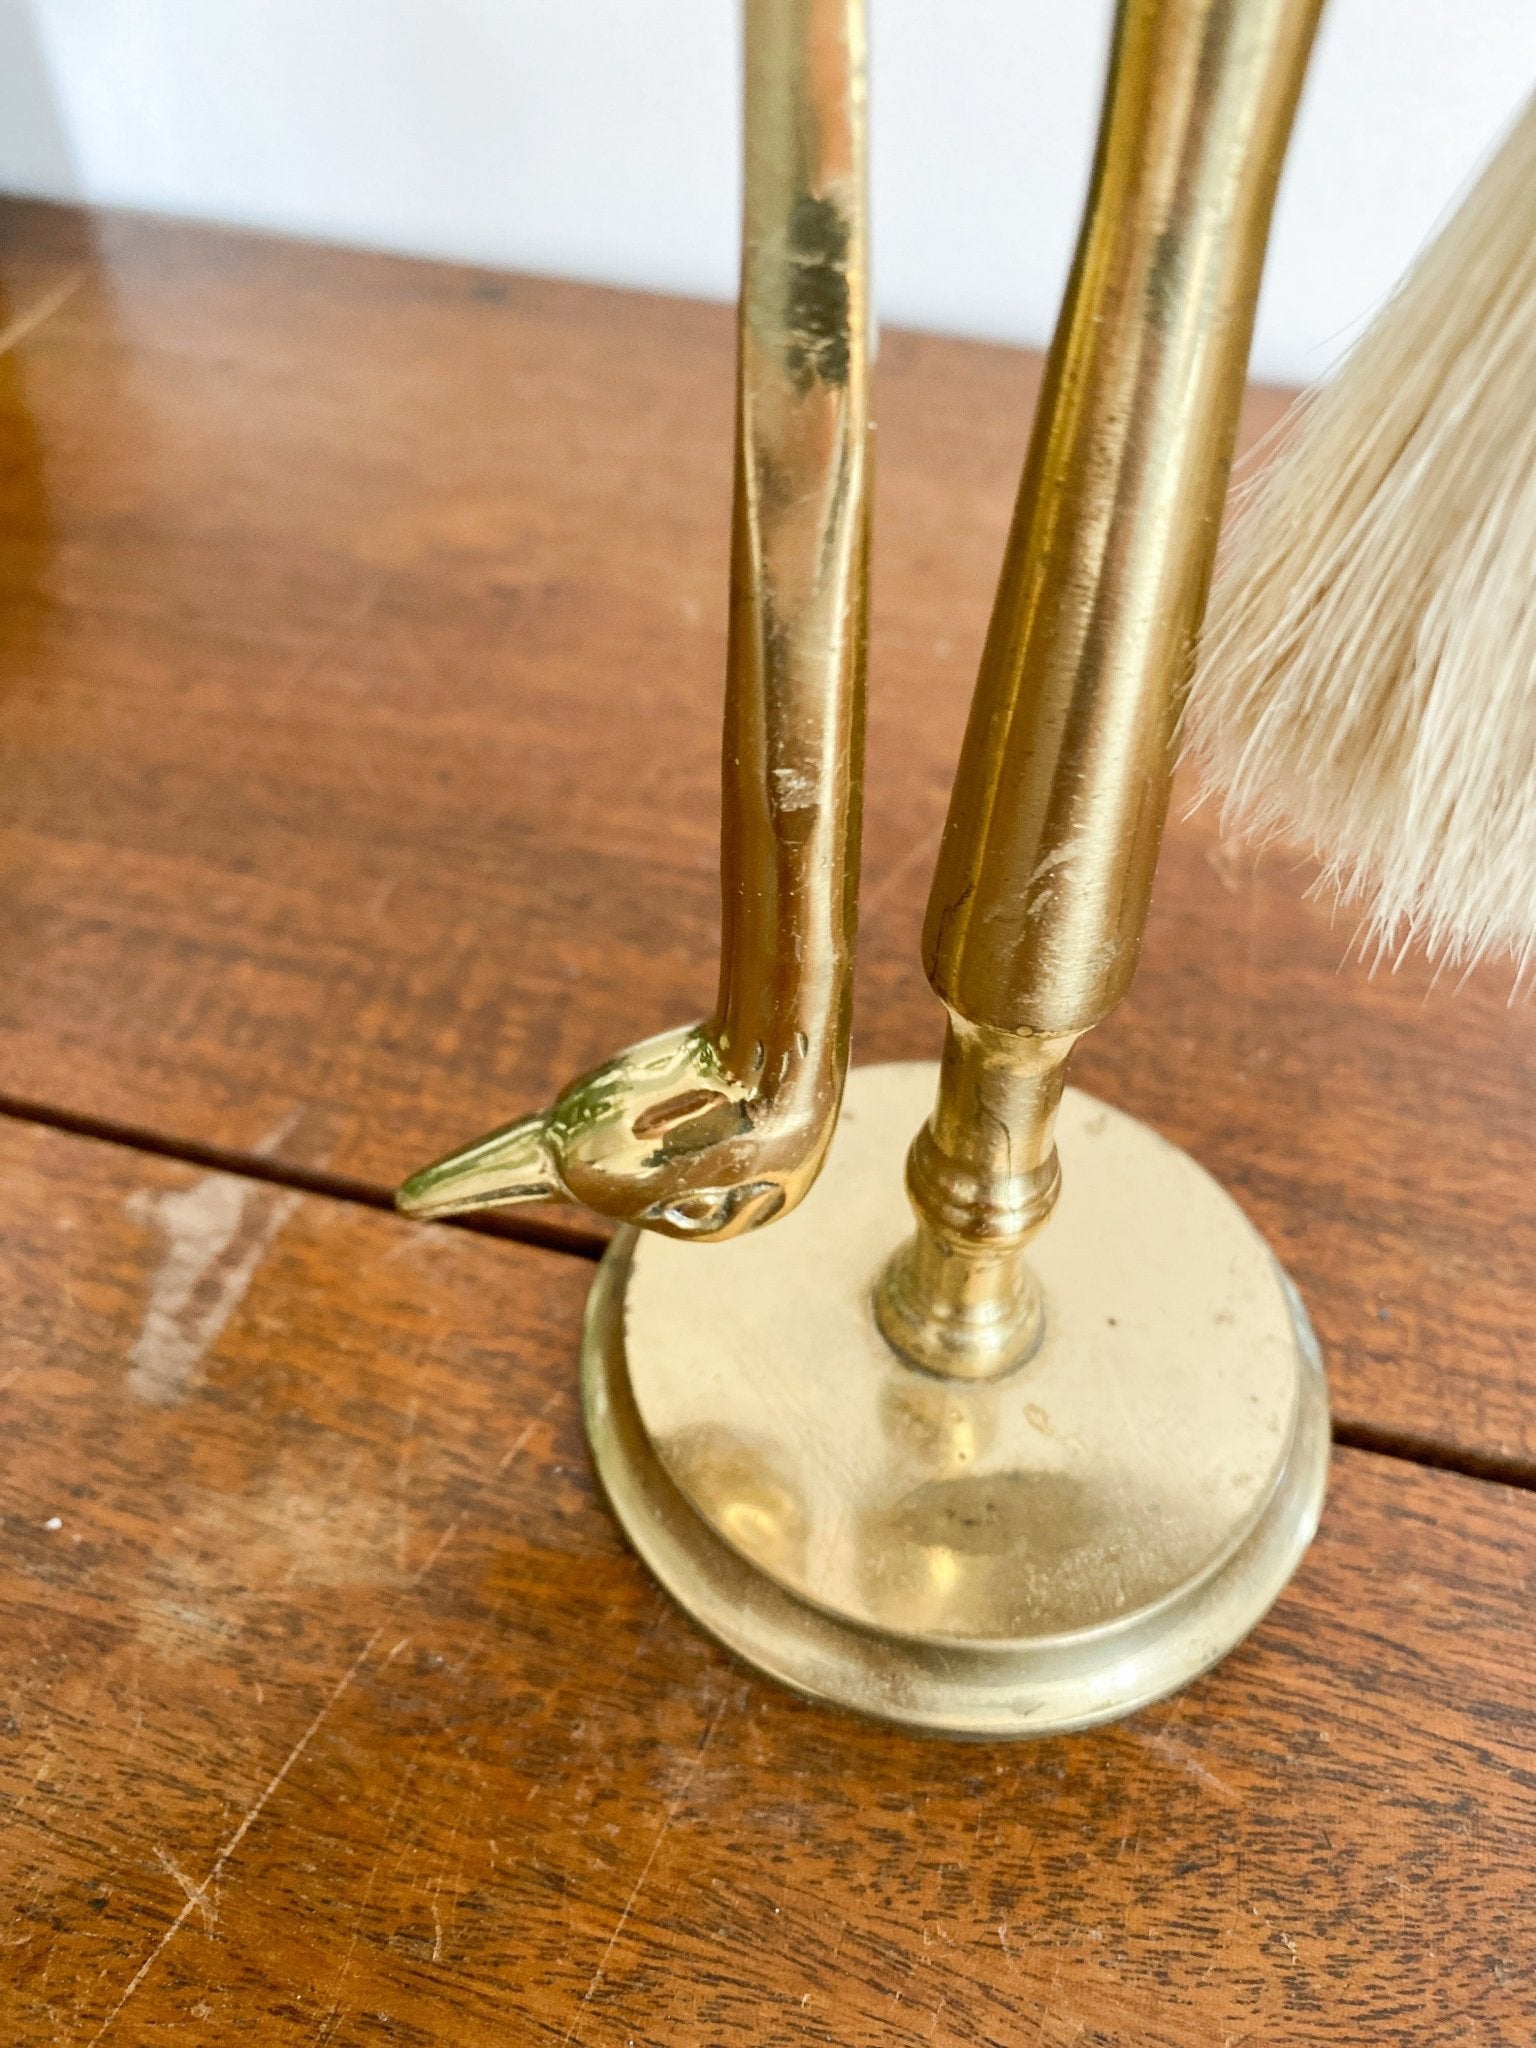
(336,1712)
(361,633)
(361,629)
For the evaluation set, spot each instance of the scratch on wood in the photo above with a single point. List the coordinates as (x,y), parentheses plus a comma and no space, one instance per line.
(275,1139)
(200,1892)
(216,1234)
(334,2015)
(517,1444)
(441,1545)
(45,308)
(1184,1760)
(457,1523)
(673,1808)
(197,1894)
(403,1487)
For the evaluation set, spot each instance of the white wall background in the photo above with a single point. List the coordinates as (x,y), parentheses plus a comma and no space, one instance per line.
(597,138)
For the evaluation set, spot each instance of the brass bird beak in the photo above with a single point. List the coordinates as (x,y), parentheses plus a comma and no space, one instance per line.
(513,1164)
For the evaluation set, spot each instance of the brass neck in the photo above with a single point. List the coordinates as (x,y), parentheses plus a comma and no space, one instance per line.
(714,1128)
(794,710)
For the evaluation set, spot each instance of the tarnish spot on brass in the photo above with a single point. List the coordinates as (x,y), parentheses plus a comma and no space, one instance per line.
(816,310)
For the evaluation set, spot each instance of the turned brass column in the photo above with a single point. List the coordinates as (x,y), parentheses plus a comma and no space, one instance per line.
(1044,876)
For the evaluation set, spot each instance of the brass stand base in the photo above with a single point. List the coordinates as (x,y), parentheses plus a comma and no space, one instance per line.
(1021,1557)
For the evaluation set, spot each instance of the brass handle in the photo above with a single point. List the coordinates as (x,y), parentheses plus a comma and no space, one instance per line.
(1045,872)
(709,1130)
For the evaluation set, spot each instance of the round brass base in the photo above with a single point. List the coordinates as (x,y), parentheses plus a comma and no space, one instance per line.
(1020,1557)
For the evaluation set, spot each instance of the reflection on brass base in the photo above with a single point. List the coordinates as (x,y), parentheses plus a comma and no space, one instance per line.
(1019,1557)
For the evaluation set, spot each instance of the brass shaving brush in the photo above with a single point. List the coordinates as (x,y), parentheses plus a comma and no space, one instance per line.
(1053,1454)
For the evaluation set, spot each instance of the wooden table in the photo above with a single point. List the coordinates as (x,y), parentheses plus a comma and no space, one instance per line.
(362,631)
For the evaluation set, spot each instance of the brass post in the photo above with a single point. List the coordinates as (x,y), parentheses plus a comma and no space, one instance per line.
(1044,876)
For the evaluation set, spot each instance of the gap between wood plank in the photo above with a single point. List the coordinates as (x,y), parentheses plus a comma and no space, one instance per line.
(1410,1449)
(577,1239)
(579,1242)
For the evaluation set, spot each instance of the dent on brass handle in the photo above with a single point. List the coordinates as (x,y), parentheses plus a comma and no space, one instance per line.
(708,1130)
(1045,871)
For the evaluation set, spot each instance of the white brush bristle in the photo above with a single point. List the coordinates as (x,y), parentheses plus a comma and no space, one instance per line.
(1367,682)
